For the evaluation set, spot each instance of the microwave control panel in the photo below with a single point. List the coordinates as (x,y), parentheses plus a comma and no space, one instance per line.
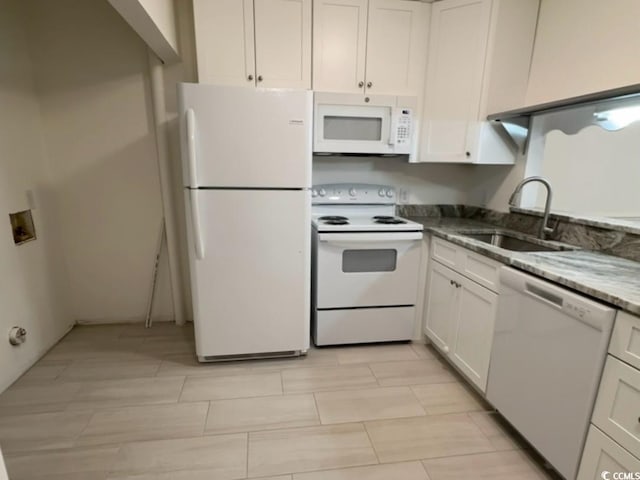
(403,118)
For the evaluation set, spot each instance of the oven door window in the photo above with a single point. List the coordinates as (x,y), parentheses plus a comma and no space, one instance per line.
(353,128)
(370,260)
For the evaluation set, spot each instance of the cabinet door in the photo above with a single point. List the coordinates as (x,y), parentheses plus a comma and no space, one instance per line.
(457,49)
(339,45)
(601,454)
(441,307)
(471,345)
(283,43)
(618,404)
(224,41)
(396,46)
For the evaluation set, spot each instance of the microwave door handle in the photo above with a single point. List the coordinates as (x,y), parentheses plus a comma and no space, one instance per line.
(393,128)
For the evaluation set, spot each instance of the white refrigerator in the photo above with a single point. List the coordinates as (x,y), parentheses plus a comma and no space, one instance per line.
(246,156)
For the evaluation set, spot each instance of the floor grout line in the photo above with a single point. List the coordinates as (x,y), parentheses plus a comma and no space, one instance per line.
(246,468)
(206,418)
(373,447)
(315,401)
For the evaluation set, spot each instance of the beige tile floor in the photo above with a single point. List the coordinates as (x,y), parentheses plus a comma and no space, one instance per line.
(123,402)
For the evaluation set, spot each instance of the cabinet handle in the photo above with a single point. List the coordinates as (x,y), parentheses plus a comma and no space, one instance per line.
(360,84)
(468,154)
(451,282)
(250,77)
(369,84)
(445,349)
(259,78)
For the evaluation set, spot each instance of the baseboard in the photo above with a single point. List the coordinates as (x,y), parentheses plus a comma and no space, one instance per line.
(112,321)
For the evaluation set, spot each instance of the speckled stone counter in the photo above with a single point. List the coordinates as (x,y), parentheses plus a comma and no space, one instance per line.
(611,279)
(611,237)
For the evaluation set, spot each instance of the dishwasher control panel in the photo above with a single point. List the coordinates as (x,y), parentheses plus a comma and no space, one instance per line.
(577,310)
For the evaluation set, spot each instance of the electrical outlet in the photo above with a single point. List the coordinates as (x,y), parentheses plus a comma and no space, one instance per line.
(404,196)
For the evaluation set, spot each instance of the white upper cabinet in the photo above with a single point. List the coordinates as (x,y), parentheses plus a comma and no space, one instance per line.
(339,45)
(283,43)
(478,63)
(370,46)
(224,41)
(396,47)
(459,32)
(254,42)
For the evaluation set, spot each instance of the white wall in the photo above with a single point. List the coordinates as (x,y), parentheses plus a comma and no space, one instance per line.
(32,277)
(91,73)
(424,183)
(584,46)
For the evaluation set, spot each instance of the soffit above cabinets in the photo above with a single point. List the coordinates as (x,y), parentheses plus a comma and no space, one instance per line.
(610,109)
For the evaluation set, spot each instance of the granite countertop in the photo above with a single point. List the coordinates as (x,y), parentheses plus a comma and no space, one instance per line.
(613,280)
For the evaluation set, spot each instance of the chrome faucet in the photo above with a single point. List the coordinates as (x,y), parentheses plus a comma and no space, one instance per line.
(544,229)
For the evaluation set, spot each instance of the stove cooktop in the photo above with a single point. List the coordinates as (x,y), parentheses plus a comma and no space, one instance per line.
(361,223)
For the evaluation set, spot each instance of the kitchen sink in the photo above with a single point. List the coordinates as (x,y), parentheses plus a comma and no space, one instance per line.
(512,242)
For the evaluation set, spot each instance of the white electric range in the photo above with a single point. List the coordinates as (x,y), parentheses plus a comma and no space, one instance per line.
(365,266)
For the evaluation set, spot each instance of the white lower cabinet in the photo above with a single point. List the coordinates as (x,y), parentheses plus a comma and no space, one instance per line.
(442,302)
(601,454)
(471,349)
(617,410)
(613,443)
(460,314)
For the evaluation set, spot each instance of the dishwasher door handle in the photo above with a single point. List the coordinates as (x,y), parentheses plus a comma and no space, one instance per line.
(541,293)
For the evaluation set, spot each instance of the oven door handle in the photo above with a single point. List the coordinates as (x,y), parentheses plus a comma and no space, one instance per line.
(392,237)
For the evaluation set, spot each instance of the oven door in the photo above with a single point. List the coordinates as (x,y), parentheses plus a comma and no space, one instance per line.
(368,269)
(352,129)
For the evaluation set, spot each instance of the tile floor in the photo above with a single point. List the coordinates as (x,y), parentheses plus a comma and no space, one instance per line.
(126,403)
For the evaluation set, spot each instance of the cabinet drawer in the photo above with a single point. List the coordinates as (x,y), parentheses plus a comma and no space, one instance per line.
(447,253)
(625,340)
(617,410)
(601,454)
(474,266)
(482,270)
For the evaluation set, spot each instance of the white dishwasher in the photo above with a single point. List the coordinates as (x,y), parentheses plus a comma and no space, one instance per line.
(549,348)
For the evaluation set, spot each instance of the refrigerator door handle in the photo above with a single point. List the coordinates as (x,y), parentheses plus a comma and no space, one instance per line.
(191,147)
(195,220)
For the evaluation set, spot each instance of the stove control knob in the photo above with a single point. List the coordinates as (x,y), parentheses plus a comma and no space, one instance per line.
(389,193)
(322,192)
(352,192)
(314,193)
(381,192)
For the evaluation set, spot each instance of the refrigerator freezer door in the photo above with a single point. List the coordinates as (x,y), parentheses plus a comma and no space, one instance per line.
(251,286)
(239,137)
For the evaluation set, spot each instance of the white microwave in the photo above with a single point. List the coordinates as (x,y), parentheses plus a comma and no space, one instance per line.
(373,125)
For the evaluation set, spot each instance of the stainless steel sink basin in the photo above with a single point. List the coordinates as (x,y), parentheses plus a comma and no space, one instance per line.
(512,242)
